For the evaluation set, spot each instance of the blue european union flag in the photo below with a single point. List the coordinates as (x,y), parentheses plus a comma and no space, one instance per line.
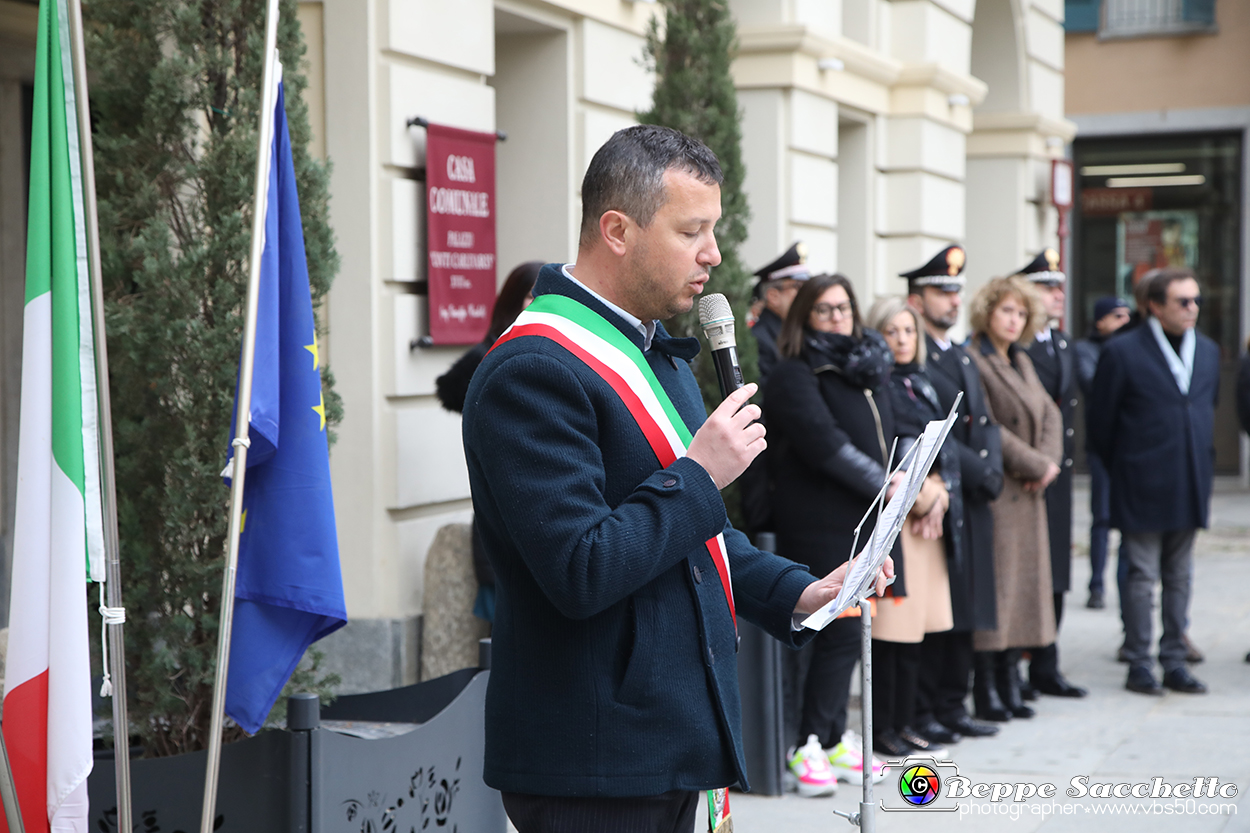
(289,590)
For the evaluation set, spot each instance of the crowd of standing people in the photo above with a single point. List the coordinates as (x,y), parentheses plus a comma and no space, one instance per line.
(984,561)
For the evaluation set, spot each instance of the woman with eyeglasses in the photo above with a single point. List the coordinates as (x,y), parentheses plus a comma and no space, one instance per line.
(830,427)
(919,601)
(1004,315)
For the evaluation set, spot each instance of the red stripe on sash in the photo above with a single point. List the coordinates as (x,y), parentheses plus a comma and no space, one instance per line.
(650,428)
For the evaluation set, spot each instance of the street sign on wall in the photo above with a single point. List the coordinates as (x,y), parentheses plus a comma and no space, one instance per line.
(460,218)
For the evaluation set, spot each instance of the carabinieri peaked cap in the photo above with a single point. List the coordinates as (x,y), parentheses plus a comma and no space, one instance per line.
(1044,269)
(944,271)
(792,265)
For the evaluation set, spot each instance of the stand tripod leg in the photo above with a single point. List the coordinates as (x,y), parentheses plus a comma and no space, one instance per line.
(867,822)
(8,792)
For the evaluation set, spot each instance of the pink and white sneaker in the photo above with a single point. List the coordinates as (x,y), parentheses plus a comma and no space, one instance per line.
(808,770)
(847,760)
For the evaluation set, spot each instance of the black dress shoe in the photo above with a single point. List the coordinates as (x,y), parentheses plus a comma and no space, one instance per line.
(1247,657)
(1142,681)
(888,744)
(1179,679)
(1120,656)
(1096,600)
(1057,686)
(1192,654)
(970,727)
(1028,691)
(986,702)
(935,732)
(920,744)
(1007,675)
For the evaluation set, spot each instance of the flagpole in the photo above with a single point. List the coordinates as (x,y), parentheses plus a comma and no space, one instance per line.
(108,488)
(244,405)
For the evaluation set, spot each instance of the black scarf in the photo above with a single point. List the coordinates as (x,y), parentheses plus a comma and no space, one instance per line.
(864,362)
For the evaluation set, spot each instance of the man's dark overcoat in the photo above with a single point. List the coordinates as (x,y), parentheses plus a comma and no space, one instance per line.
(1158,443)
(614,670)
(1056,370)
(972,577)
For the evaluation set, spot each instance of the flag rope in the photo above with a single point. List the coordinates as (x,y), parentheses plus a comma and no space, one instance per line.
(108,616)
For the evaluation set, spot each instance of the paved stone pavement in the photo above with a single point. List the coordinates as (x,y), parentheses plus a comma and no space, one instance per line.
(1112,735)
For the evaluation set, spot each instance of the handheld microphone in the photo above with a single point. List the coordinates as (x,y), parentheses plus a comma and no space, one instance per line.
(717,320)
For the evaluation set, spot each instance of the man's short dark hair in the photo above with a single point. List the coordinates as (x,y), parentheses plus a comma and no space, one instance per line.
(627,173)
(1157,289)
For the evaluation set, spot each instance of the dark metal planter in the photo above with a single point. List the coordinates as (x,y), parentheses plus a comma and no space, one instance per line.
(313,780)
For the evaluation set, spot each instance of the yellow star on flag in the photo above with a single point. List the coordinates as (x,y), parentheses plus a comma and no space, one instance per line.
(312,348)
(321,409)
(242,521)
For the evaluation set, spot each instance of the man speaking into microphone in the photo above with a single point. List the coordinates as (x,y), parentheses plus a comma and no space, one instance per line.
(595,472)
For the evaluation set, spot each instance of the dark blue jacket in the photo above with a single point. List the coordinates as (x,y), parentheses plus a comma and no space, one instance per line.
(1158,444)
(614,670)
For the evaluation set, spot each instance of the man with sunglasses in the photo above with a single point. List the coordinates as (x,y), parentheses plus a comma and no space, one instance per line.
(1151,420)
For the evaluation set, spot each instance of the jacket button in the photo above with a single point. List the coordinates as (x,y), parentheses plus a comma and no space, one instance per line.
(984,420)
(959,522)
(965,360)
(669,483)
(1067,463)
(698,574)
(1062,344)
(1069,432)
(1073,403)
(984,453)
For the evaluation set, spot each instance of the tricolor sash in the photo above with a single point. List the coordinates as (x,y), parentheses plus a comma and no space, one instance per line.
(619,362)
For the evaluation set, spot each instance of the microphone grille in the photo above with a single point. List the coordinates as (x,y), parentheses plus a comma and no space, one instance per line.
(714,308)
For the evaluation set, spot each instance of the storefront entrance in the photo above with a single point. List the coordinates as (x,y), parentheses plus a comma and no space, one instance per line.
(1150,201)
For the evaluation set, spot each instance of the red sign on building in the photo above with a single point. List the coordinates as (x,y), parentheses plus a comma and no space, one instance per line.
(460,221)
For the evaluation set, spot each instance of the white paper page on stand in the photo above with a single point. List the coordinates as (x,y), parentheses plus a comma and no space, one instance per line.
(861,576)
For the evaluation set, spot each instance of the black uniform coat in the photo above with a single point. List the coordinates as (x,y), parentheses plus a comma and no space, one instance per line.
(828,443)
(614,667)
(1158,443)
(1056,370)
(766,329)
(972,577)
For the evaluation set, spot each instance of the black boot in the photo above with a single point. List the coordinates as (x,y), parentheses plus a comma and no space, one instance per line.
(986,702)
(1007,668)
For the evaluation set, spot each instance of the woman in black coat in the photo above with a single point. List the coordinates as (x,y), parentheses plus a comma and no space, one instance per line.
(830,427)
(923,605)
(515,295)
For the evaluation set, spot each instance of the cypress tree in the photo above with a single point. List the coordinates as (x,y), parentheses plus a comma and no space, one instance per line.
(694,93)
(175,112)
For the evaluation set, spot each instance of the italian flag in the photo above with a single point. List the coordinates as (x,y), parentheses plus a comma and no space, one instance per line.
(58,542)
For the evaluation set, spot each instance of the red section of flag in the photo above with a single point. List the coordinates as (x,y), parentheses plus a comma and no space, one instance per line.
(26,740)
(460,221)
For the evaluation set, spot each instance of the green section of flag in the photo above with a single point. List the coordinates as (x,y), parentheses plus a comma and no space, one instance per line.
(53,261)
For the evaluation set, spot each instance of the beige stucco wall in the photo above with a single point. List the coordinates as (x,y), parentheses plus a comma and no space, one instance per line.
(1163,73)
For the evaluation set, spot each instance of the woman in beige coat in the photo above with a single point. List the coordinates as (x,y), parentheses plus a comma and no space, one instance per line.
(1004,315)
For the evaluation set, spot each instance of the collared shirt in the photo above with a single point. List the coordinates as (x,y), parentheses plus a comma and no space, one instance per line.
(943,344)
(646,328)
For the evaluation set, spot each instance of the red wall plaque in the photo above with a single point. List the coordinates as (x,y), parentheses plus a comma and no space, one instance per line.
(460,220)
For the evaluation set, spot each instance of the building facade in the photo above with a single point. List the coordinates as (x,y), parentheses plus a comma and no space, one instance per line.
(1163,114)
(877,131)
